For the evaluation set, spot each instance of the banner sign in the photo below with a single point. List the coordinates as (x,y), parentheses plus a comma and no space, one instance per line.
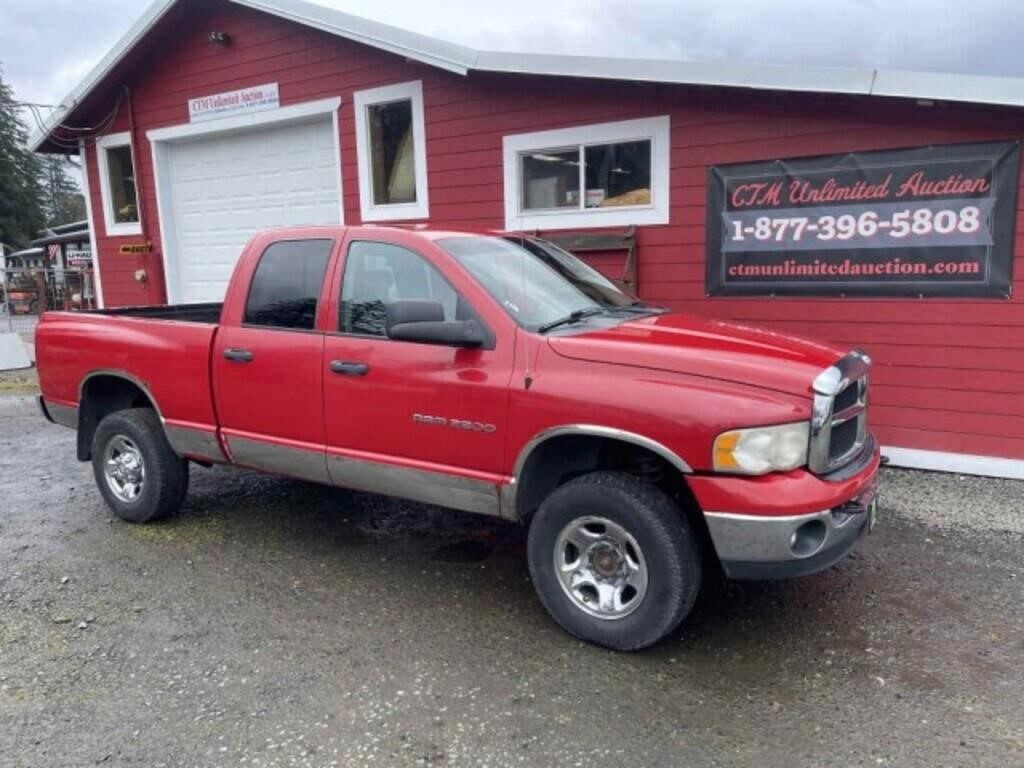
(258,98)
(933,221)
(79,257)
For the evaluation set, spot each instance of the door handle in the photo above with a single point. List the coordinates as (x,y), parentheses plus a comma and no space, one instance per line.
(238,355)
(349,369)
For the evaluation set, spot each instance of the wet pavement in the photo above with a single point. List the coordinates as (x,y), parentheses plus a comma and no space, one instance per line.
(276,623)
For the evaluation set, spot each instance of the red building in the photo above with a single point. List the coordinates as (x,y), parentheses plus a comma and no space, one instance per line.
(212,120)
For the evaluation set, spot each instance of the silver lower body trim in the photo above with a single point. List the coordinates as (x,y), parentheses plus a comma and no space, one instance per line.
(279,459)
(438,488)
(194,443)
(64,415)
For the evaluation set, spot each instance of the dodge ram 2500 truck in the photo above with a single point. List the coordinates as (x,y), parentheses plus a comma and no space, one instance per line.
(496,374)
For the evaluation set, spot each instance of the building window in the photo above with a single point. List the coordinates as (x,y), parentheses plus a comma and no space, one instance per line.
(117,185)
(391,149)
(612,174)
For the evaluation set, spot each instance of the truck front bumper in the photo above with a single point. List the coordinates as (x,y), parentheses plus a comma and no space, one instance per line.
(775,539)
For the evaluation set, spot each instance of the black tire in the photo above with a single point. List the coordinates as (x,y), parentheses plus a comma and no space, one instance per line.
(166,474)
(668,545)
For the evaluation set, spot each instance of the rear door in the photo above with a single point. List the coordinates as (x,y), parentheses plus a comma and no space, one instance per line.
(267,363)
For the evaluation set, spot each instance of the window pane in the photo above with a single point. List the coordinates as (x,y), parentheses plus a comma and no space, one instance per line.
(286,286)
(530,288)
(551,179)
(377,274)
(618,174)
(393,163)
(122,184)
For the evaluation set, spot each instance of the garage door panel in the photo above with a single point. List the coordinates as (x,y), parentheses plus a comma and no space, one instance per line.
(227,188)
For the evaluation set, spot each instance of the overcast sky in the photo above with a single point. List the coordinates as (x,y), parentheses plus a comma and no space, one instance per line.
(46,46)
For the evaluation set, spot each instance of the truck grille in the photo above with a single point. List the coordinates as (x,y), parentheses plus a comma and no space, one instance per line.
(839,422)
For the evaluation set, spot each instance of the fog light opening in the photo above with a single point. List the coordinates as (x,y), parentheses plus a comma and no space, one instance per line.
(808,538)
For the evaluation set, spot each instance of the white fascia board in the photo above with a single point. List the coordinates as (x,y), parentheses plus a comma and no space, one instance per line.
(726,74)
(135,33)
(976,89)
(960,463)
(412,45)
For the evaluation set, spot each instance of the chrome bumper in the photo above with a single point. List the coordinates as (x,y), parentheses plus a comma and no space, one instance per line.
(763,548)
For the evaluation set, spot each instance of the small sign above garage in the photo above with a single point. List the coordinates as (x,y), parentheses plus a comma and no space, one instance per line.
(257,98)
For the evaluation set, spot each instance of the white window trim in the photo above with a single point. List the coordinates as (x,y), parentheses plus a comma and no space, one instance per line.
(110,225)
(90,214)
(655,129)
(412,91)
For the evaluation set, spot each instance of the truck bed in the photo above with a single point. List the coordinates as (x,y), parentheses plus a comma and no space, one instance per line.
(208,313)
(164,349)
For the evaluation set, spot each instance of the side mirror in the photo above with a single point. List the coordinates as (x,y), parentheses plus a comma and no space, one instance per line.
(422,321)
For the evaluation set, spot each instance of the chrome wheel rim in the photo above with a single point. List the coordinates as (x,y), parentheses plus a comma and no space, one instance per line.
(124,469)
(601,567)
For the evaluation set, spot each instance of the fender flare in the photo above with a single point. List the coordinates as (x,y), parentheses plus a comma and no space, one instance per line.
(509,492)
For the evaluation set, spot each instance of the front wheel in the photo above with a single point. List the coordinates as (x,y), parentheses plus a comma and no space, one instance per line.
(139,475)
(614,560)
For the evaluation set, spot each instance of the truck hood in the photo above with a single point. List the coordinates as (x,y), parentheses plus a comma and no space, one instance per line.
(710,348)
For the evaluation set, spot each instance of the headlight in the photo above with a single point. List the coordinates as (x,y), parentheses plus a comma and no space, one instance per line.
(762,449)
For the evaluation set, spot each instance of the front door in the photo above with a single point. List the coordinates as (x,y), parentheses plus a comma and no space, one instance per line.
(267,372)
(433,416)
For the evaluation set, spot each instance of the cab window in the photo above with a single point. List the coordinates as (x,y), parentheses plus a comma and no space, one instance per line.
(377,274)
(286,285)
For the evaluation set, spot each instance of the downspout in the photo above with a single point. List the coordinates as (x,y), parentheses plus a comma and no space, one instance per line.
(145,260)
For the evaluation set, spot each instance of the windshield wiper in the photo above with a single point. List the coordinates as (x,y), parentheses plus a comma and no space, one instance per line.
(573,317)
(638,307)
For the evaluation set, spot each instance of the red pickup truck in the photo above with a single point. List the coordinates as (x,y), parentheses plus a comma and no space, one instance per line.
(496,374)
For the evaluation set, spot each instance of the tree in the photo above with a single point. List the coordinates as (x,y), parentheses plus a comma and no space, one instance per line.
(21,211)
(62,202)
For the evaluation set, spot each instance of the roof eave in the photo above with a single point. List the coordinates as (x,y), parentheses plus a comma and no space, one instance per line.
(977,89)
(135,33)
(935,86)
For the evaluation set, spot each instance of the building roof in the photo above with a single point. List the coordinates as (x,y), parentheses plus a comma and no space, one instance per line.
(70,226)
(977,89)
(70,236)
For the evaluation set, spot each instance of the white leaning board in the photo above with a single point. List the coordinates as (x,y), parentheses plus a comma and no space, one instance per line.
(13,354)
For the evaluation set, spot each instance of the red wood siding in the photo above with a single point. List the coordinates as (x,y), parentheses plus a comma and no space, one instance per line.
(950,373)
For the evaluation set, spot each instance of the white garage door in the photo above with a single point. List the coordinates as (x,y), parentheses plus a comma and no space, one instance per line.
(226,188)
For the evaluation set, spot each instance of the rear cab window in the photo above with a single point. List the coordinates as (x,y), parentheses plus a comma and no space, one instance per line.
(287,283)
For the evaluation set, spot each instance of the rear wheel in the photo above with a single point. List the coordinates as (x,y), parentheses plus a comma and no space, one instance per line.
(614,560)
(137,472)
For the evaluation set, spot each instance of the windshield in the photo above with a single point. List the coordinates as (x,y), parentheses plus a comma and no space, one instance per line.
(536,282)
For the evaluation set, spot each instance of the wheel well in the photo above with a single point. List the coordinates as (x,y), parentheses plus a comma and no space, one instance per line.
(101,396)
(559,459)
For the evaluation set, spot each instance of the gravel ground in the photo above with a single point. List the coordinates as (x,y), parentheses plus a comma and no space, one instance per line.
(276,623)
